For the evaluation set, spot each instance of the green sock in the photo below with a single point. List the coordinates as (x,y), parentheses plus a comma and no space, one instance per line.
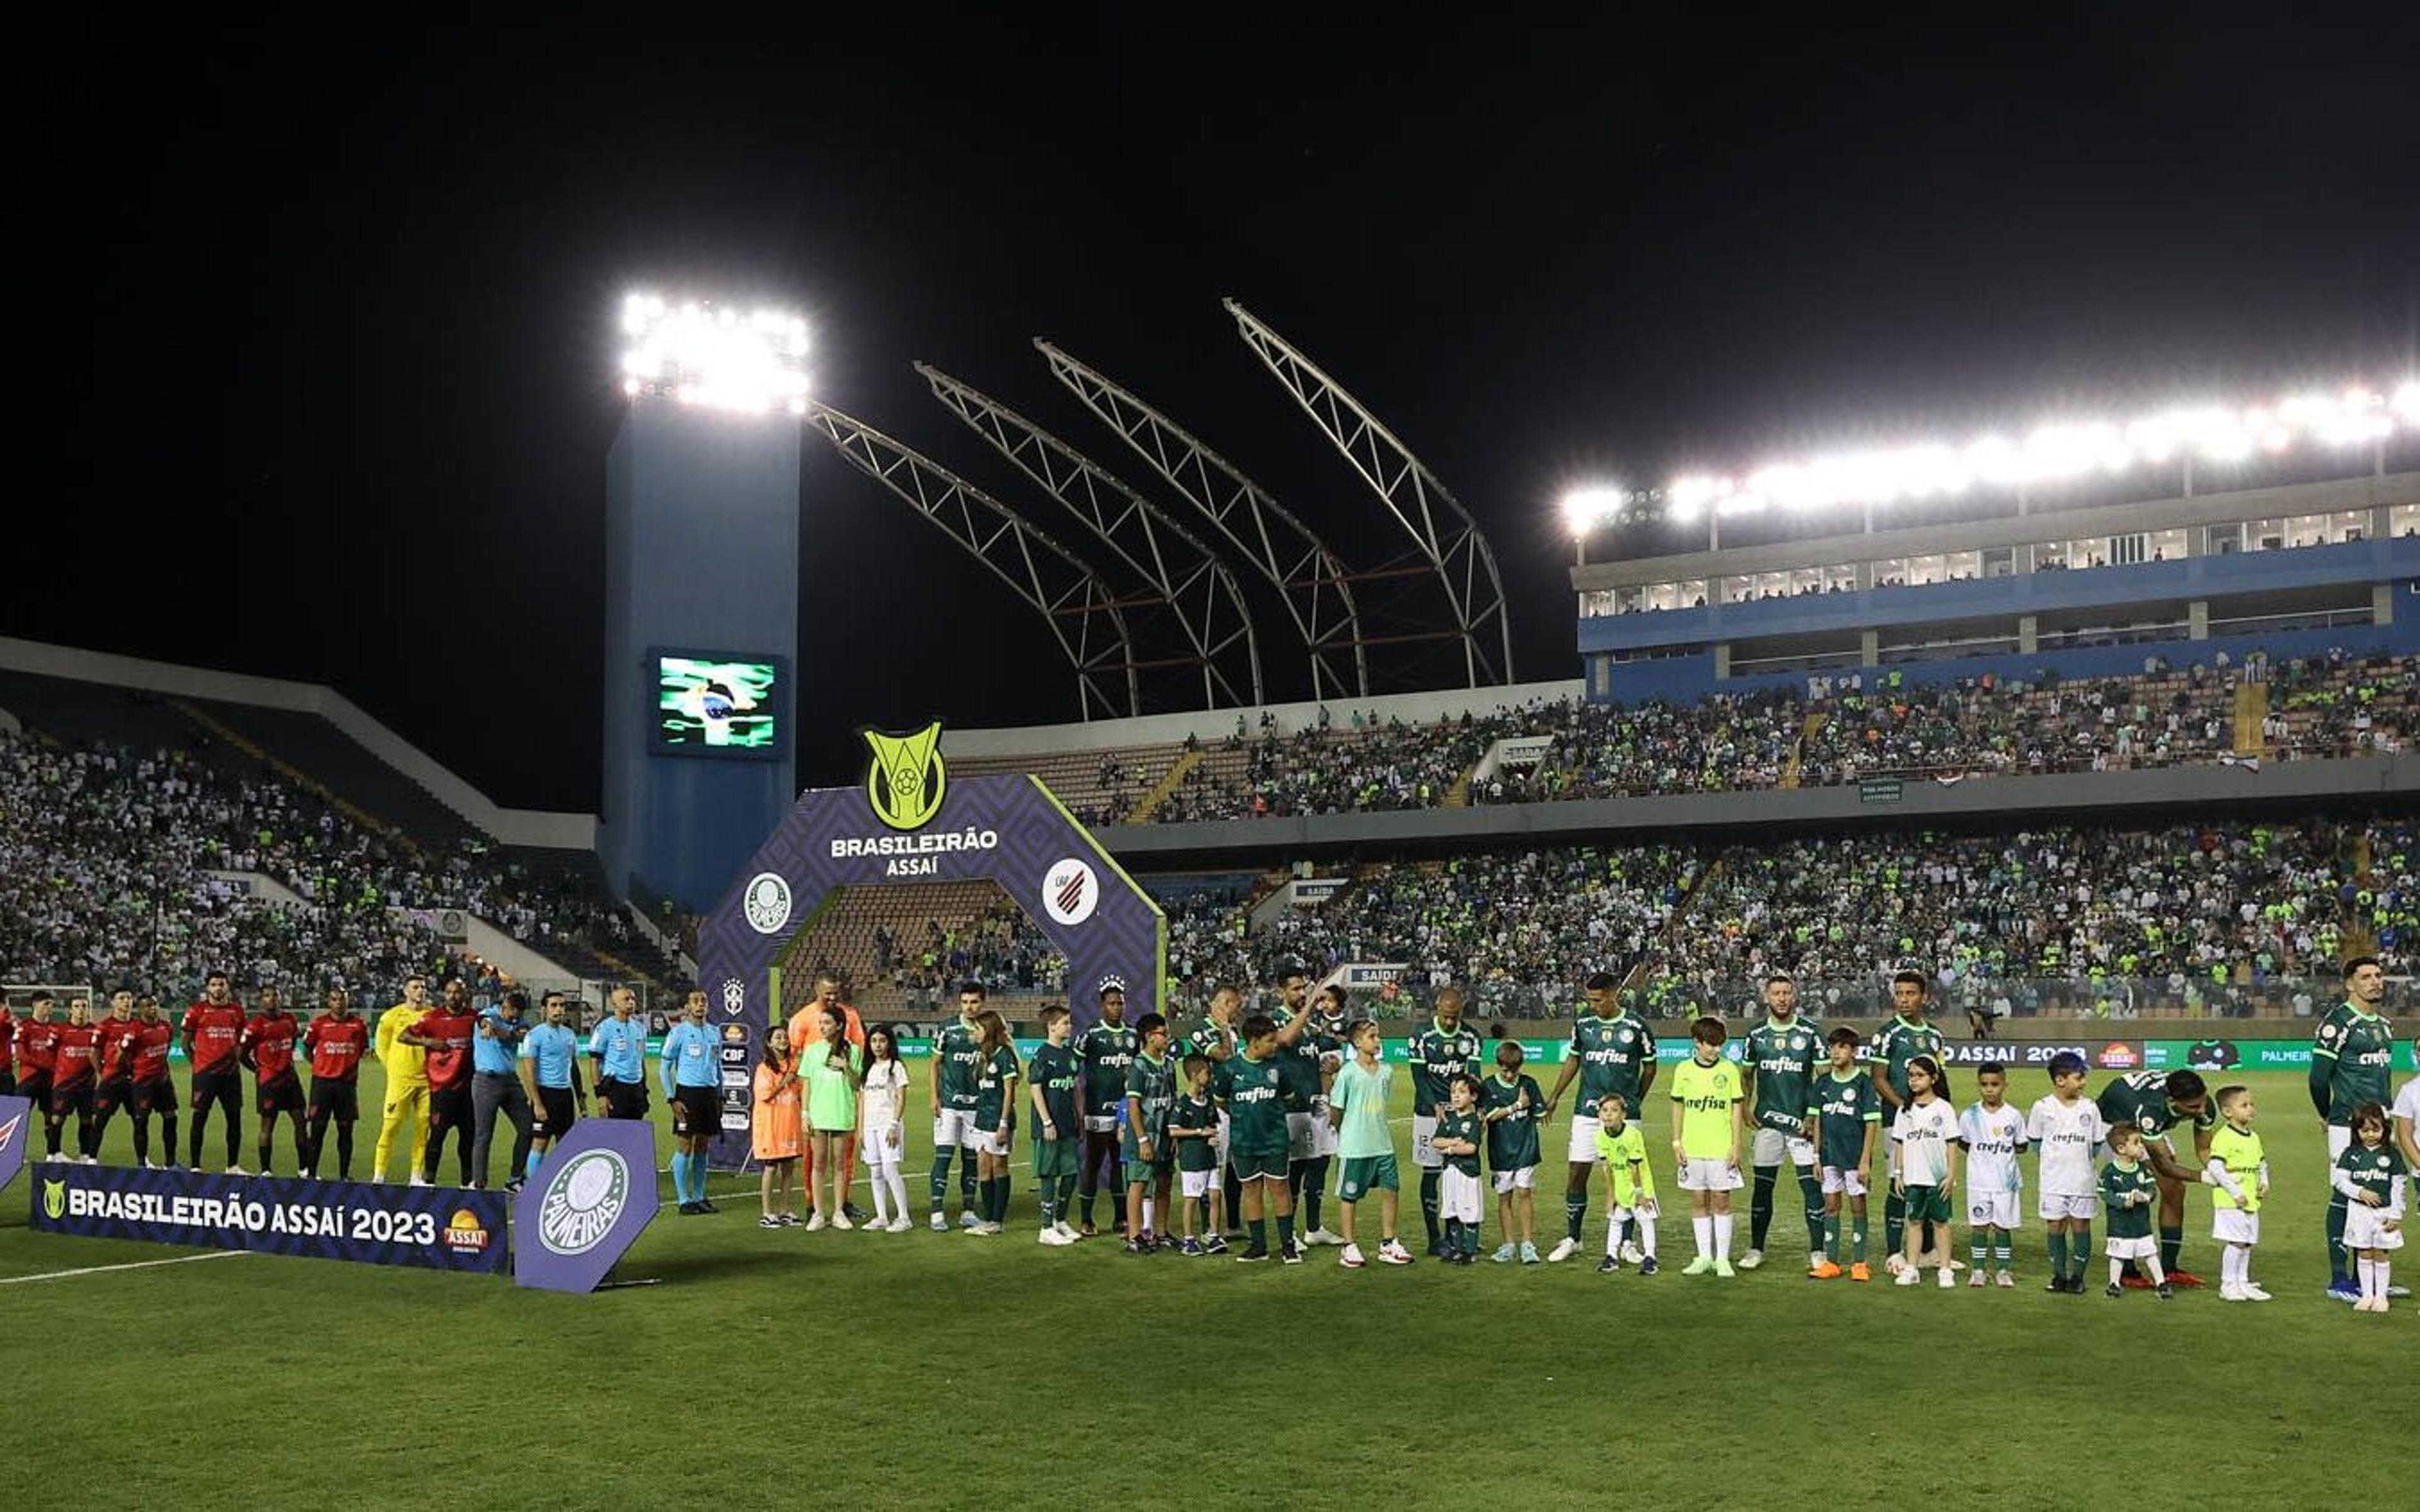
(1574,1215)
(1977,1249)
(1259,1229)
(1285,1230)
(2172,1249)
(1066,1194)
(1812,1189)
(2001,1251)
(1857,1241)
(1830,1242)
(940,1178)
(2058,1254)
(2079,1248)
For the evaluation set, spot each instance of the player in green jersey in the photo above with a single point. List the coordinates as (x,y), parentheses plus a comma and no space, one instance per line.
(2128,1190)
(1216,1040)
(2352,1057)
(1900,1040)
(1612,1050)
(1143,1137)
(1782,1056)
(2375,1184)
(994,1119)
(1193,1129)
(2156,1101)
(1845,1122)
(1446,1049)
(1249,1087)
(1310,1065)
(1105,1051)
(1509,1104)
(957,1065)
(1051,1080)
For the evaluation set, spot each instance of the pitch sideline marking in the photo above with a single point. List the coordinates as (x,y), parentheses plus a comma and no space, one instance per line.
(131,1265)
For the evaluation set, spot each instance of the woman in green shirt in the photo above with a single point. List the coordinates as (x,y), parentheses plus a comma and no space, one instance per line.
(833,1068)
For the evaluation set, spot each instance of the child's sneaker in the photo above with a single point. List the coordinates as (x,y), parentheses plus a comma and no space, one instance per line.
(1861,1272)
(2113,1289)
(1190,1246)
(1393,1252)
(1631,1253)
(1351,1259)
(1724,1268)
(1290,1254)
(2165,1291)
(1750,1260)
(2003,1279)
(1067,1231)
(1906,1277)
(842,1221)
(900,1225)
(1976,1279)
(1528,1253)
(769,1221)
(1131,1247)
(1894,1264)
(1323,1235)
(1949,1278)
(941,1223)
(2253,1292)
(1504,1253)
(2233,1294)
(815,1223)
(1647,1266)
(1607,1265)
(1699,1266)
(1053,1237)
(1825,1272)
(1215,1245)
(1564,1249)
(968,1220)
(1252,1255)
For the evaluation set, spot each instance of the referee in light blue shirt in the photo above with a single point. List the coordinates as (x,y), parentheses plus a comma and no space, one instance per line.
(619,1048)
(550,1068)
(692,1081)
(496,1085)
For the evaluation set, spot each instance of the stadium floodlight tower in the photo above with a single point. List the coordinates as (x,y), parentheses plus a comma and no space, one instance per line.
(700,594)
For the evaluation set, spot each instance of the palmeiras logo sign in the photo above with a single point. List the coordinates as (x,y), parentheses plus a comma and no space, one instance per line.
(905,781)
(584,1201)
(767,903)
(1070,891)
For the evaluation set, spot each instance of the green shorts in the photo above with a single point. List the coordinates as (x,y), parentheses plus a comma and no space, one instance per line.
(1364,1174)
(1057,1157)
(1146,1172)
(1927,1204)
(1260,1164)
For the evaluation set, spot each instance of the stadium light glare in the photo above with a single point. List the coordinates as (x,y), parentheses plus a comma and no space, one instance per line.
(2055,452)
(714,357)
(1585,509)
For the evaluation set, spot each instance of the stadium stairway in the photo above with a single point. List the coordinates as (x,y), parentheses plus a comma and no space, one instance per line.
(1706,874)
(1806,731)
(1458,796)
(2250,718)
(1149,804)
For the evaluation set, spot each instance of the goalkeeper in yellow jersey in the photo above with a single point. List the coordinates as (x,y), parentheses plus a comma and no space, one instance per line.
(407,1078)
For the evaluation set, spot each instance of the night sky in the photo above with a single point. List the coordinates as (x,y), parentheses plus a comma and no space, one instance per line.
(334,320)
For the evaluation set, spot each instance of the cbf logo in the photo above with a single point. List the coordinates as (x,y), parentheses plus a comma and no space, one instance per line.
(905,781)
(735,996)
(583,1202)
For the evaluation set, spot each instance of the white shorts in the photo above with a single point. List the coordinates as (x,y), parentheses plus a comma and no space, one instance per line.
(2366,1227)
(1322,1134)
(2054,1206)
(879,1152)
(1459,1197)
(1524,1179)
(1851,1181)
(994,1142)
(953,1127)
(1301,1144)
(2233,1226)
(1699,1173)
(2145,1248)
(1992,1210)
(1199,1184)
(1772,1145)
(1424,1153)
(1580,1150)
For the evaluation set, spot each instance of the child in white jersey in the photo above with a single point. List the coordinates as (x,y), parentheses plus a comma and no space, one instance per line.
(881,1128)
(1994,1133)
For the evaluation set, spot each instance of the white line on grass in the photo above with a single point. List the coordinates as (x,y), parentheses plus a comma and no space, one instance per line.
(131,1265)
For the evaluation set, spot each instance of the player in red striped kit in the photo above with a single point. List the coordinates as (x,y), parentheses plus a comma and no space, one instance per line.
(213,1034)
(336,1041)
(75,1059)
(116,1088)
(268,1048)
(445,1033)
(154,1092)
(38,1039)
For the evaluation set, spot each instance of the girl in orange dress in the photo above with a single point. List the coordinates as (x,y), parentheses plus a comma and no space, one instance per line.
(775,1131)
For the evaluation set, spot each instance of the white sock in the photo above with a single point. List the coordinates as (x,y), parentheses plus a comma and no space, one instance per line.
(2382,1268)
(891,1177)
(1646,1238)
(2364,1271)
(2152,1268)
(1613,1236)
(1148,1213)
(1704,1225)
(2244,1266)
(881,1208)
(1723,1235)
(2226,1280)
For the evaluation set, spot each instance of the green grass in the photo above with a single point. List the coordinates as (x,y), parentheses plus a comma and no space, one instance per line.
(927,1369)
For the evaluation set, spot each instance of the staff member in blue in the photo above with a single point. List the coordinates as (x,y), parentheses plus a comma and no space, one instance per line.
(618,1045)
(496,1085)
(689,1075)
(549,1069)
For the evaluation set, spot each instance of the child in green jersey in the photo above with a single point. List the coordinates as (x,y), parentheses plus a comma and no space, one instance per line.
(994,1125)
(1845,1122)
(2373,1180)
(1142,1137)
(1192,1125)
(1513,1103)
(1629,1185)
(2128,1190)
(1460,1201)
(2238,1167)
(1058,1125)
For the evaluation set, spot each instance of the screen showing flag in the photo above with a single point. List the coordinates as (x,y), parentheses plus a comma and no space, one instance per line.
(713,704)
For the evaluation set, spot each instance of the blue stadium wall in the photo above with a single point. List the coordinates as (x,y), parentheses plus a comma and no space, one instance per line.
(702,553)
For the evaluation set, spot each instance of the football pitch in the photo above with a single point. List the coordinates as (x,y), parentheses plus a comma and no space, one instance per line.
(929,1370)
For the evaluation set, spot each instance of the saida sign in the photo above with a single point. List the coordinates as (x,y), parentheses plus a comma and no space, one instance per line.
(906,780)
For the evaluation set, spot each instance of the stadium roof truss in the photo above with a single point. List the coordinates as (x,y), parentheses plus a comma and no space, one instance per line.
(1441,527)
(1086,617)
(1177,566)
(1312,580)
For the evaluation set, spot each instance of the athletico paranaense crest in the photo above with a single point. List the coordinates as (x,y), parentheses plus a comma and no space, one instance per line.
(906,780)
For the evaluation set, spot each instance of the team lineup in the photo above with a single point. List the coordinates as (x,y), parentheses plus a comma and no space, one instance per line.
(1254,1123)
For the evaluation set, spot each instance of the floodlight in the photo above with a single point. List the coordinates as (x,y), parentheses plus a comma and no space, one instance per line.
(713,356)
(1585,509)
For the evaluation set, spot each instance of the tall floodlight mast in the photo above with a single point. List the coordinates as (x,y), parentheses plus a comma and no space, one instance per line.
(1312,580)
(1086,618)
(1173,562)
(1442,530)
